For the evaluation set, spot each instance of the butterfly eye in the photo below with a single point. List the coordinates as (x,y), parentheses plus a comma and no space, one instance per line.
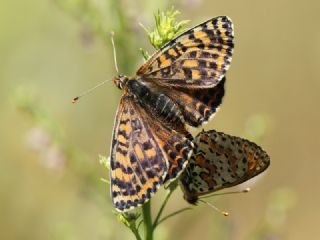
(117,82)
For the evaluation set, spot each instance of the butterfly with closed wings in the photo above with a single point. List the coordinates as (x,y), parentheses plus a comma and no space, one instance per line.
(220,161)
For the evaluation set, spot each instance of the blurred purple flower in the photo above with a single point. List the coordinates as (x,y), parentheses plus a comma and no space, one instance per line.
(55,158)
(51,155)
(38,139)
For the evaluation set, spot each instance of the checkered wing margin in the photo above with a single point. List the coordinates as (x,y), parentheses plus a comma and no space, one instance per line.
(198,58)
(144,154)
(221,161)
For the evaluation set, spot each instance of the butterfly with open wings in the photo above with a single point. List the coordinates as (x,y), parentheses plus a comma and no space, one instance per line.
(181,84)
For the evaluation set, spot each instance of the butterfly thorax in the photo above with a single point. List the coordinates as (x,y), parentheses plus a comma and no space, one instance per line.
(120,81)
(155,102)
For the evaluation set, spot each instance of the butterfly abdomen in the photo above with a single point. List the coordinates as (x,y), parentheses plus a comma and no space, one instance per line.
(155,102)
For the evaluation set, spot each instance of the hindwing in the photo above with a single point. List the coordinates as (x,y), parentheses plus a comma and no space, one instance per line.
(197,105)
(220,161)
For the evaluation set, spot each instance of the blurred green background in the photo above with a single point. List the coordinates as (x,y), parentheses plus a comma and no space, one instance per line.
(50,51)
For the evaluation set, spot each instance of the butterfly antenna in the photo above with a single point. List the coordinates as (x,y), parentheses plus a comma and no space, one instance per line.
(246,190)
(224,213)
(114,52)
(74,100)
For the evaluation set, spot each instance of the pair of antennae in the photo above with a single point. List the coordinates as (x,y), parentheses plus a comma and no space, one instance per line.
(75,99)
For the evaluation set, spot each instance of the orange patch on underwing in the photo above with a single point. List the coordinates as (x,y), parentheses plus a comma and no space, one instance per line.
(122,139)
(123,148)
(172,52)
(186,99)
(142,69)
(179,49)
(251,161)
(151,153)
(206,40)
(126,127)
(200,34)
(195,74)
(220,59)
(164,61)
(120,157)
(207,177)
(223,33)
(190,63)
(122,176)
(115,188)
(146,186)
(162,58)
(138,151)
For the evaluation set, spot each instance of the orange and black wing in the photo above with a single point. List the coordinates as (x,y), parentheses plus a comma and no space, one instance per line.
(198,58)
(198,105)
(220,161)
(144,154)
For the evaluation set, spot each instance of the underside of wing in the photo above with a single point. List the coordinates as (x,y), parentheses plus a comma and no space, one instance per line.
(143,155)
(138,165)
(220,161)
(176,144)
(198,105)
(198,58)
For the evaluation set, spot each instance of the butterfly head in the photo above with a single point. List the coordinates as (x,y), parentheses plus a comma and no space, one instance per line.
(120,81)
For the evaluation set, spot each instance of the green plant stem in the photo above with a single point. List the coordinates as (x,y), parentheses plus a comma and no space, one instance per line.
(174,213)
(136,233)
(156,221)
(147,221)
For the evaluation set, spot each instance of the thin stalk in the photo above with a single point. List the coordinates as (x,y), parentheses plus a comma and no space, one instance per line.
(156,221)
(135,231)
(174,213)
(147,221)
